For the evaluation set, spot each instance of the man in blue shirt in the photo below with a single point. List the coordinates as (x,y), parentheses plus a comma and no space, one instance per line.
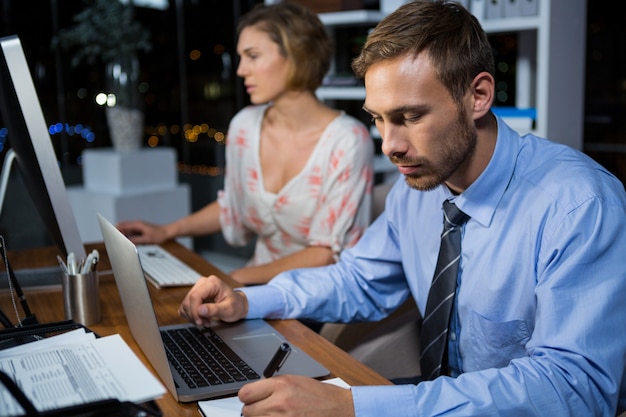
(538,325)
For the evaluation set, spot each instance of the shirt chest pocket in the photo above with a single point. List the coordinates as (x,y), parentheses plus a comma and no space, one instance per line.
(495,343)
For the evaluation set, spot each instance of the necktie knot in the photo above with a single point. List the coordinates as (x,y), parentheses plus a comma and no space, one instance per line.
(452,216)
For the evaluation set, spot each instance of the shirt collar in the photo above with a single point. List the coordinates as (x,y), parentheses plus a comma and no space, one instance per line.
(480,199)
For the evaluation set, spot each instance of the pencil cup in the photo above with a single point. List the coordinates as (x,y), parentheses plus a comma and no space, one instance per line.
(81,299)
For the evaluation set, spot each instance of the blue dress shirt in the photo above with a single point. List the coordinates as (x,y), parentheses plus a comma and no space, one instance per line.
(539,325)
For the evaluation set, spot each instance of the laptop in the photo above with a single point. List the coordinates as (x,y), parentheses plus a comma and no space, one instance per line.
(253,341)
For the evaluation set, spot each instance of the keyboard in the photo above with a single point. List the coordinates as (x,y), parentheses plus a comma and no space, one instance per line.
(203,359)
(163,269)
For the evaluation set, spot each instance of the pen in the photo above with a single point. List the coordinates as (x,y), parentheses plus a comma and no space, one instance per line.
(276,362)
(62,265)
(71,263)
(91,262)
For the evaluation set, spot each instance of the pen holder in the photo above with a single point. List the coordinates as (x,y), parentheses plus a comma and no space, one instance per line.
(81,298)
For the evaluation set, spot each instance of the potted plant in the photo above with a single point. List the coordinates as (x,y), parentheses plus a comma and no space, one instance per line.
(107,33)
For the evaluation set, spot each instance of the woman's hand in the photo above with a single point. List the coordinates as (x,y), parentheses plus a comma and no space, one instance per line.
(140,232)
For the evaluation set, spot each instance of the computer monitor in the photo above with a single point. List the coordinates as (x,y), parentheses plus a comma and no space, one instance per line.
(32,150)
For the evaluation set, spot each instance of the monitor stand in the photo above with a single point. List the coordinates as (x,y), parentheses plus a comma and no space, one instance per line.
(27,277)
(9,279)
(5,173)
(16,290)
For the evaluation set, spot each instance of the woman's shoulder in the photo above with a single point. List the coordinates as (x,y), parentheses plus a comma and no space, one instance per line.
(245,125)
(252,111)
(348,126)
(347,119)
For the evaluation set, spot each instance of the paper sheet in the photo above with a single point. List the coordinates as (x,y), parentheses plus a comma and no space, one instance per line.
(231,406)
(67,338)
(54,376)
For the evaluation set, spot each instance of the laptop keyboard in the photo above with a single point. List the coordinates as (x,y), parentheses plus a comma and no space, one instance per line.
(164,269)
(203,359)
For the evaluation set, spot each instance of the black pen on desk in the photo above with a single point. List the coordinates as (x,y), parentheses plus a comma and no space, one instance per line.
(278,360)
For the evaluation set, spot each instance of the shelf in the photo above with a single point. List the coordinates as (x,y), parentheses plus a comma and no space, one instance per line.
(351,17)
(340,93)
(372,17)
(511,24)
(549,66)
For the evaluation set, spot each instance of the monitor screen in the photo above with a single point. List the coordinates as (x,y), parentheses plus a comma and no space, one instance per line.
(32,148)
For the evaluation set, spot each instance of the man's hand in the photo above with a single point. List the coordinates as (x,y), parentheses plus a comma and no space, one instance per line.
(291,396)
(211,299)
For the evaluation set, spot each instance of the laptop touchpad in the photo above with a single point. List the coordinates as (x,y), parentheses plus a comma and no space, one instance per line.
(258,346)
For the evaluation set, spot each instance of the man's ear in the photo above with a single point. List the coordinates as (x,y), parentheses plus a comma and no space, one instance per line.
(483,88)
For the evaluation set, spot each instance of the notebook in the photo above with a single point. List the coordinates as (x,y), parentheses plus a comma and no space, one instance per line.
(253,341)
(231,406)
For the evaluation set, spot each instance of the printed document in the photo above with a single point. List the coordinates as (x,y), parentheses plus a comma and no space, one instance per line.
(72,370)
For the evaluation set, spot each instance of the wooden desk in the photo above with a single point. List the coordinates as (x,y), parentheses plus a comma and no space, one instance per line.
(47,304)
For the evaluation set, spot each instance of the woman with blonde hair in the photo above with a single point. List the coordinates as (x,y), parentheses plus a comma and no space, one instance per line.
(298,173)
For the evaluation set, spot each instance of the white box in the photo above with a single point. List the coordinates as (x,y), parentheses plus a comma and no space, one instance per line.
(494,9)
(109,171)
(161,206)
(477,8)
(512,8)
(529,7)
(390,6)
(521,125)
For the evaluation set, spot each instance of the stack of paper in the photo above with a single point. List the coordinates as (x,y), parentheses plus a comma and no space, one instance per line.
(75,368)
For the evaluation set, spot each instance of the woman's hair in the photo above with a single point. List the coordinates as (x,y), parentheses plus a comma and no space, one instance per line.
(301,38)
(453,38)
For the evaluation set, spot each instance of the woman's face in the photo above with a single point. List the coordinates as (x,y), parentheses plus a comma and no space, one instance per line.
(262,67)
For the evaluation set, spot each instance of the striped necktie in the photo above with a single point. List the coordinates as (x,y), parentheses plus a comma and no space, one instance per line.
(436,320)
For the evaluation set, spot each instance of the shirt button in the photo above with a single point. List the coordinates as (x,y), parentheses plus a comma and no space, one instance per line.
(453,337)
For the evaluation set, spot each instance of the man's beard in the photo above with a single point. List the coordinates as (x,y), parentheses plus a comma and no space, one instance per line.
(459,146)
